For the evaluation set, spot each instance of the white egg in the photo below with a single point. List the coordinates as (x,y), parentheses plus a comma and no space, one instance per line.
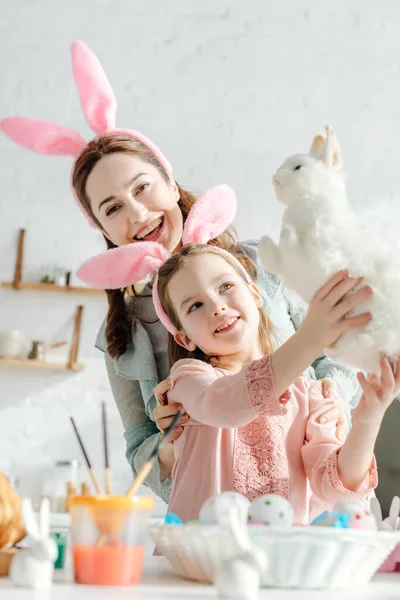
(271,510)
(215,510)
(359,515)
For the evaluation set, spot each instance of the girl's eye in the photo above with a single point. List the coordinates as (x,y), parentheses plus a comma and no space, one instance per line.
(195,306)
(141,188)
(225,286)
(112,210)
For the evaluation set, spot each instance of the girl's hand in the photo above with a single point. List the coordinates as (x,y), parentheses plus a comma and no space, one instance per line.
(336,413)
(326,318)
(164,412)
(379,391)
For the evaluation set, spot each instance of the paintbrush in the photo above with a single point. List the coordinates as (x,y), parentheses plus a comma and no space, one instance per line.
(107,471)
(85,454)
(148,465)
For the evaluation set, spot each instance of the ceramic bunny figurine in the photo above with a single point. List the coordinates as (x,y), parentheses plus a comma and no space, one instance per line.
(33,567)
(321,235)
(391,523)
(240,577)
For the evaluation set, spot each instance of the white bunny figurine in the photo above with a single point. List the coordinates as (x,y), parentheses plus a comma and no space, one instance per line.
(240,577)
(391,522)
(321,235)
(33,567)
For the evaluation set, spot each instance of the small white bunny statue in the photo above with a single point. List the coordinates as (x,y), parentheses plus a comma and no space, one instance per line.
(391,522)
(320,235)
(240,577)
(33,567)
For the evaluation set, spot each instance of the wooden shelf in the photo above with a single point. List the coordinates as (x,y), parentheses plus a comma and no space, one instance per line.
(71,363)
(40,364)
(50,287)
(18,284)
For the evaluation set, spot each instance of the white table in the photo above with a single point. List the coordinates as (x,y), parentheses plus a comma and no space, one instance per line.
(159,582)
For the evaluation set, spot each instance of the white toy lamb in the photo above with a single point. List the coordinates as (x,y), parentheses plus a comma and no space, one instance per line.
(322,235)
(33,567)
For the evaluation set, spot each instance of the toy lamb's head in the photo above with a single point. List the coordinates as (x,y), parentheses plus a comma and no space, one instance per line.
(314,174)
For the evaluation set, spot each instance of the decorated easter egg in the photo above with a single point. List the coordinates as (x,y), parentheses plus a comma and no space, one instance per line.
(271,510)
(172,519)
(332,518)
(216,510)
(358,515)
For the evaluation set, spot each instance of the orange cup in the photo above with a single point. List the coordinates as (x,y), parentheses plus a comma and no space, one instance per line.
(108,538)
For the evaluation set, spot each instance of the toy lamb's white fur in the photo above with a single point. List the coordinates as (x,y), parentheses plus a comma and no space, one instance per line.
(322,235)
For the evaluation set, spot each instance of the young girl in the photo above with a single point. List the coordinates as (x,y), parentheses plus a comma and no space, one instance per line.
(251,429)
(253,419)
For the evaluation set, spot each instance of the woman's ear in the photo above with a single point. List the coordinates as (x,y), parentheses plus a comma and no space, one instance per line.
(257,295)
(182,339)
(174,189)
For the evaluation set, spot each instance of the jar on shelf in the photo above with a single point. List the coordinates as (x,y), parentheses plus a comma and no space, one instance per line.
(64,472)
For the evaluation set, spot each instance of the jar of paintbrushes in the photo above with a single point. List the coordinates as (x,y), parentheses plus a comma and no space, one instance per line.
(108,531)
(108,538)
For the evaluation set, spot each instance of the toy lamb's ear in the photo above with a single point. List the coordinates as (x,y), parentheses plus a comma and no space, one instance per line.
(332,157)
(210,216)
(97,97)
(43,137)
(317,147)
(120,267)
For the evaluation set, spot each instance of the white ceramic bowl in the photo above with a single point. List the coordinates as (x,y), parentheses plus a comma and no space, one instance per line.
(301,557)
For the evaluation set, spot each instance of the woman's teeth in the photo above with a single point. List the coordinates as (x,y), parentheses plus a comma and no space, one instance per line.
(149,229)
(227,324)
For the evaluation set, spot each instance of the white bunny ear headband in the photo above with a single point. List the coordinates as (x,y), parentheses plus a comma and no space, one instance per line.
(99,107)
(120,267)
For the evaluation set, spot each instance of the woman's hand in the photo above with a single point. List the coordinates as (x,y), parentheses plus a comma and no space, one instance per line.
(326,318)
(336,413)
(164,413)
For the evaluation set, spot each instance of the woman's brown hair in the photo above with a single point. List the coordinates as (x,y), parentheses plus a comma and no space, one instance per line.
(175,264)
(118,325)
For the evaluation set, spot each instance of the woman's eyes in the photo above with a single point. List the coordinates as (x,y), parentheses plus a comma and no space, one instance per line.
(112,209)
(116,207)
(141,187)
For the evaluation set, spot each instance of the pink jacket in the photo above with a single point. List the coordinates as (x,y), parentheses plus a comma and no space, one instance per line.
(242,437)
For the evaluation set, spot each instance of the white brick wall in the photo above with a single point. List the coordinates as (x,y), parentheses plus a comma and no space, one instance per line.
(227,89)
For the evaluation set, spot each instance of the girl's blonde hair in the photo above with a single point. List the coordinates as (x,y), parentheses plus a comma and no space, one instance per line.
(175,264)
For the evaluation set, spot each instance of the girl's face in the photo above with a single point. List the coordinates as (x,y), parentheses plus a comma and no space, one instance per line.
(217,309)
(133,202)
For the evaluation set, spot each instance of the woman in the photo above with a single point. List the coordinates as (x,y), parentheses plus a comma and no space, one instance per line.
(126,188)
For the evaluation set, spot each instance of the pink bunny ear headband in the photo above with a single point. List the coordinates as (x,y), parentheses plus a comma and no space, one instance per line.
(99,107)
(126,265)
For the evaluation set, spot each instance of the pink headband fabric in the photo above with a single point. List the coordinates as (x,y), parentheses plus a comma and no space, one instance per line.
(99,107)
(120,267)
